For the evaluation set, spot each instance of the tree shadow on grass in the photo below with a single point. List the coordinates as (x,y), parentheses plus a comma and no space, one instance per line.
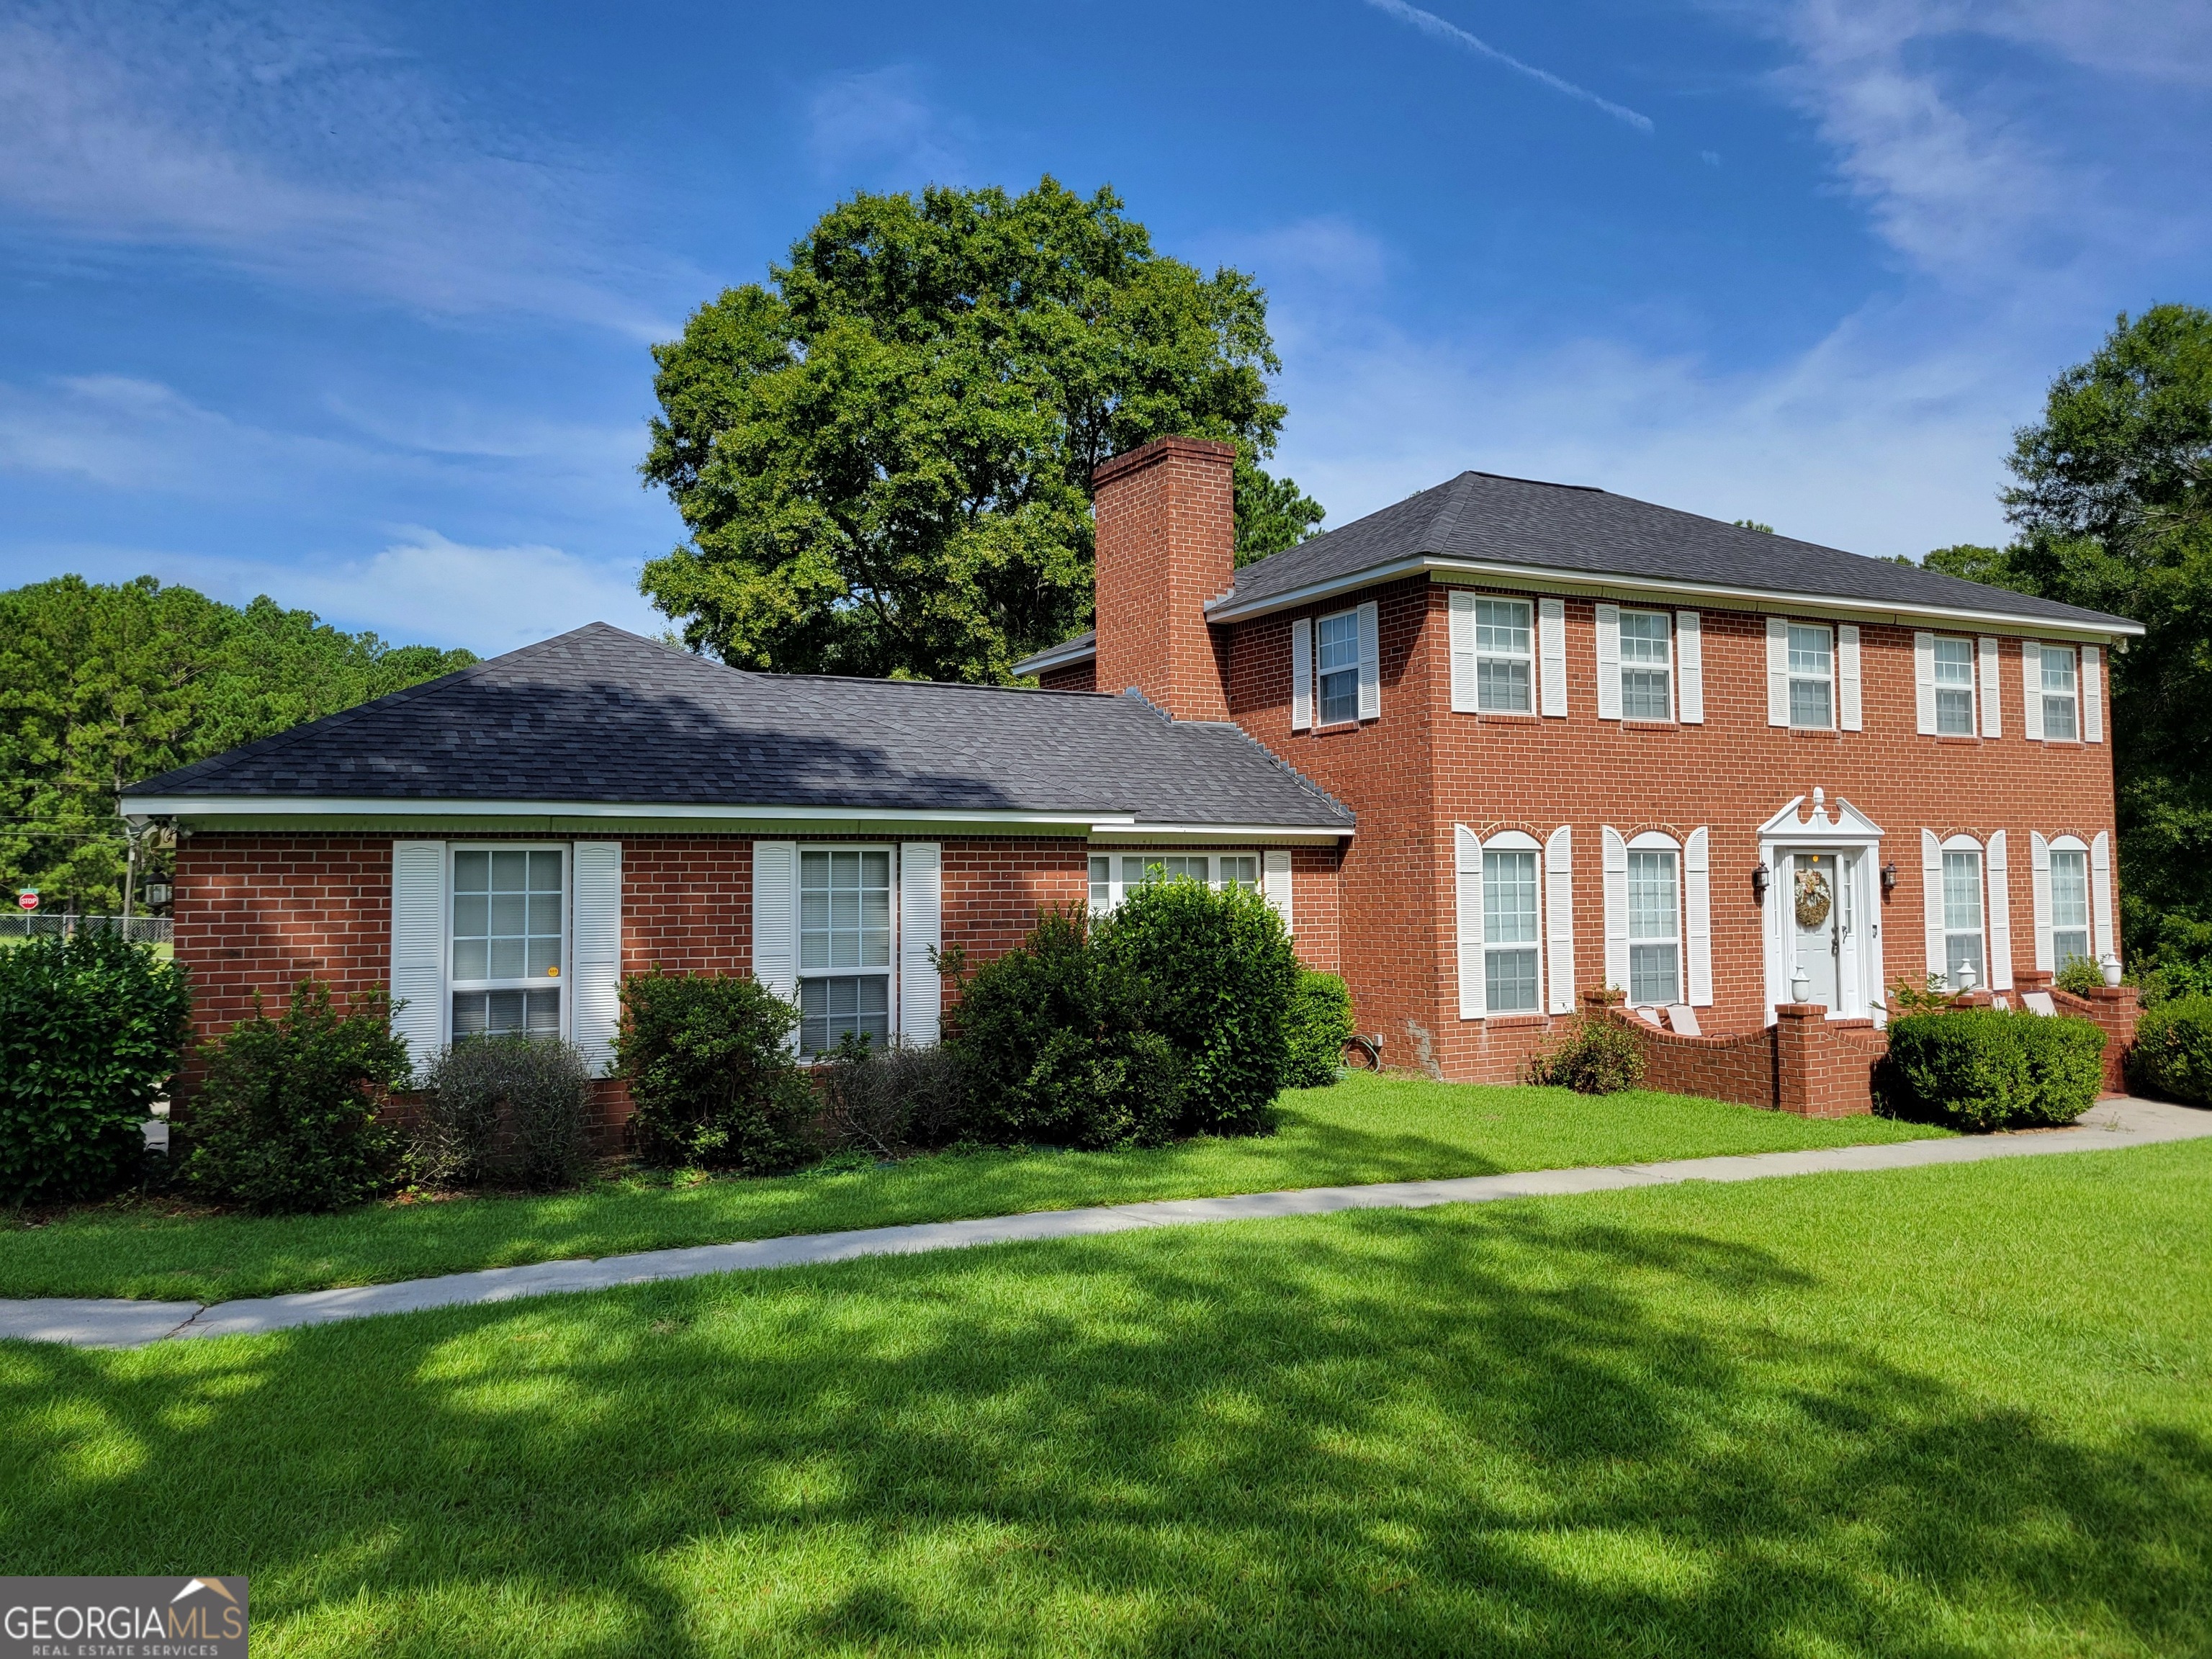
(1472,1432)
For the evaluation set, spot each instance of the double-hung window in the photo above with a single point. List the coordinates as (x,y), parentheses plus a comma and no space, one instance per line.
(1337,638)
(509,916)
(844,946)
(1954,687)
(1647,691)
(1509,933)
(1505,657)
(1113,875)
(2060,700)
(1962,918)
(1654,929)
(1812,676)
(2069,907)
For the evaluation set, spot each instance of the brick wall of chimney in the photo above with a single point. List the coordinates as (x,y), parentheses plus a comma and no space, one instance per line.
(1166,527)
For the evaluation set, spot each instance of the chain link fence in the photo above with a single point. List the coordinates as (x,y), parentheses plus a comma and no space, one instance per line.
(140,930)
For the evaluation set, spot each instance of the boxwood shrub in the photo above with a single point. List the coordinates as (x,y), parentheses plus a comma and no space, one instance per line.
(90,1028)
(2172,1053)
(1990,1068)
(1052,1042)
(711,1074)
(1318,1027)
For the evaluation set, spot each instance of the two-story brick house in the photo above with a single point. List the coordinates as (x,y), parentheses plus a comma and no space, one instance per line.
(1497,744)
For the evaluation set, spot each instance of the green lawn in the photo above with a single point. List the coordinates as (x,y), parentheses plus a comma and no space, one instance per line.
(1365,1129)
(1937,1412)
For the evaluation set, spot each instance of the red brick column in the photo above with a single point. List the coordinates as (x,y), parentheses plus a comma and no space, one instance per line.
(2116,1008)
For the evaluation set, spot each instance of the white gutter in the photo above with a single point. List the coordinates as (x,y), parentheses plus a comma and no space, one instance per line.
(1227,608)
(1058,656)
(303,807)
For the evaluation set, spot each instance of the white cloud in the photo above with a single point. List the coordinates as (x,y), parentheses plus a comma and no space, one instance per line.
(878,124)
(287,145)
(127,434)
(424,587)
(1452,34)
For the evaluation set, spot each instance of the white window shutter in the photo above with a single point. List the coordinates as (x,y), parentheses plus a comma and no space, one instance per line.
(1992,698)
(1464,700)
(1552,654)
(1275,883)
(1302,678)
(776,918)
(1559,917)
(1690,668)
(2031,687)
(1616,909)
(1924,683)
(418,947)
(921,932)
(2040,872)
(1999,913)
(1608,662)
(595,951)
(2092,688)
(2100,892)
(1698,916)
(1370,661)
(1847,677)
(1931,894)
(1469,859)
(1777,671)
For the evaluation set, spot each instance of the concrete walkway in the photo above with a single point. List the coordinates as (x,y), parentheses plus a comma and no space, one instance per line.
(124,1324)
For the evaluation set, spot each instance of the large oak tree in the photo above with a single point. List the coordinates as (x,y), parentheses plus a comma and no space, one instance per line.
(883,456)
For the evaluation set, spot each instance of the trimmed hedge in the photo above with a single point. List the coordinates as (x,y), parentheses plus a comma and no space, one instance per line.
(90,1028)
(286,1121)
(711,1074)
(1596,1055)
(1318,1026)
(2172,1053)
(1990,1068)
(504,1109)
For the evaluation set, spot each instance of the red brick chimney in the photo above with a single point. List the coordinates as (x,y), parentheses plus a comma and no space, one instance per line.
(1167,537)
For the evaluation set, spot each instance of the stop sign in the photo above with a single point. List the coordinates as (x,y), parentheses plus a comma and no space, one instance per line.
(29,900)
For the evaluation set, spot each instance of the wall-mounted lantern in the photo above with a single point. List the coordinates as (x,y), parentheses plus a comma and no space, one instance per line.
(1889,879)
(1758,885)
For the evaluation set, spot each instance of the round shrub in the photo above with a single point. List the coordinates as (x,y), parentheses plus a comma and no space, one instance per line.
(711,1072)
(1218,972)
(2080,977)
(2172,1053)
(1316,1028)
(285,1120)
(1990,1068)
(879,1098)
(504,1109)
(1050,1040)
(90,1028)
(1596,1055)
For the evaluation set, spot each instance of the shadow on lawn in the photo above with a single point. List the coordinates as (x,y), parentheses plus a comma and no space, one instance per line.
(1484,1432)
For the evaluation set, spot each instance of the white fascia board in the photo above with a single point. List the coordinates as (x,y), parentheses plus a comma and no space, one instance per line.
(1147,835)
(1058,656)
(209,813)
(1778,603)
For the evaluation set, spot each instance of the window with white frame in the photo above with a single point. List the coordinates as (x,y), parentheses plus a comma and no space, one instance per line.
(2061,703)
(2069,907)
(1812,676)
(1114,874)
(1962,919)
(844,946)
(1954,687)
(1509,931)
(1655,928)
(1647,691)
(508,940)
(1505,657)
(1337,639)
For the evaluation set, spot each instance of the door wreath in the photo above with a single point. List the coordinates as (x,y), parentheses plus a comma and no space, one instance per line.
(1813,899)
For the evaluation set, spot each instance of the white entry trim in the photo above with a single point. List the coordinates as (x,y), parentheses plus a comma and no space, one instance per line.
(1838,827)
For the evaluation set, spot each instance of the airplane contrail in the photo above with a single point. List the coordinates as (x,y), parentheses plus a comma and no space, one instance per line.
(1430,24)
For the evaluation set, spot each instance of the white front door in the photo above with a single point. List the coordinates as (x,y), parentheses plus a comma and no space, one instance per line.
(1816,946)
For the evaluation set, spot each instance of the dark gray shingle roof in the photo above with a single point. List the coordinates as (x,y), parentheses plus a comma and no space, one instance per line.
(602,715)
(1588,531)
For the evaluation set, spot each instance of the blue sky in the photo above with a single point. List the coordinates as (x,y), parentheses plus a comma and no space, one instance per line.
(350,303)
